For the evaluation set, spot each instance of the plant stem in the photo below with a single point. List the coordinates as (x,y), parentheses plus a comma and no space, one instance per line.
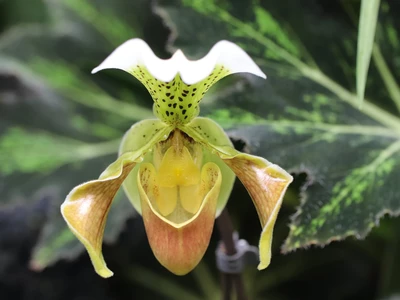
(226,282)
(225,227)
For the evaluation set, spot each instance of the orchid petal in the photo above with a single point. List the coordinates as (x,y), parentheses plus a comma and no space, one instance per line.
(179,247)
(177,85)
(265,182)
(86,207)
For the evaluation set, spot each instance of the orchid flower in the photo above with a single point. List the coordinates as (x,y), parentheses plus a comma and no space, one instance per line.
(177,170)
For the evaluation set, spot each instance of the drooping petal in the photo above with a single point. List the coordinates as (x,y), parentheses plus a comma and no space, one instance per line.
(86,206)
(177,84)
(179,246)
(265,182)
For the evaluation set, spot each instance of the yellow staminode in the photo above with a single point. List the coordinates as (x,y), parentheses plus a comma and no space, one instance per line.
(178,179)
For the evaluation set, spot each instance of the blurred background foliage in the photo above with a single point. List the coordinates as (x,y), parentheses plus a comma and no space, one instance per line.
(60,126)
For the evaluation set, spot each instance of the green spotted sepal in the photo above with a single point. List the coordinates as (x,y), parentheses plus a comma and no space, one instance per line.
(177,85)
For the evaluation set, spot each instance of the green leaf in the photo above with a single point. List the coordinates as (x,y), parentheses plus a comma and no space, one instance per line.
(76,87)
(41,152)
(366,36)
(269,26)
(60,125)
(303,117)
(87,20)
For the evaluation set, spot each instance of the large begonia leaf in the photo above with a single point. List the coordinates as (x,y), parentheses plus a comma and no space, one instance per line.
(305,117)
(58,126)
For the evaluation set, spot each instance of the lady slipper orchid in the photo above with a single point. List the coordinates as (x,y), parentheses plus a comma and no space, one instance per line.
(177,170)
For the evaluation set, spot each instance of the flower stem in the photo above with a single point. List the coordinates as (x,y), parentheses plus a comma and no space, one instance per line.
(225,227)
